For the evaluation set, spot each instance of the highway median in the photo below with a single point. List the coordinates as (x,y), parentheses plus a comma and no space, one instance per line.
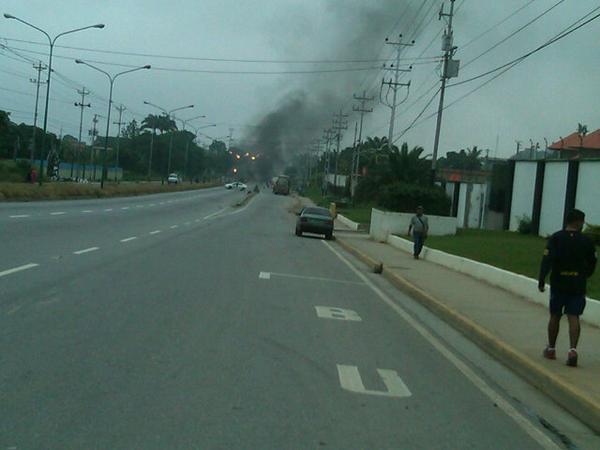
(70,191)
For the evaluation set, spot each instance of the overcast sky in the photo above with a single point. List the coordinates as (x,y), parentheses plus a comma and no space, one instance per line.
(545,96)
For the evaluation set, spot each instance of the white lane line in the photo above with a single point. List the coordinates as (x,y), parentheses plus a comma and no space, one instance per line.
(303,277)
(214,214)
(18,269)
(19,216)
(188,223)
(161,203)
(108,210)
(172,227)
(330,312)
(139,206)
(86,250)
(125,207)
(152,204)
(350,380)
(87,211)
(129,239)
(155,232)
(57,213)
(264,275)
(486,389)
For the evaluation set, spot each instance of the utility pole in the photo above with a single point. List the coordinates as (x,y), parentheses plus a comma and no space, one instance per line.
(449,70)
(120,124)
(38,67)
(82,105)
(339,124)
(93,132)
(230,138)
(327,138)
(362,109)
(395,85)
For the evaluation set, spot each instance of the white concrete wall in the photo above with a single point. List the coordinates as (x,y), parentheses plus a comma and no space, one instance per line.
(340,180)
(553,197)
(523,190)
(385,223)
(462,202)
(512,282)
(588,190)
(349,223)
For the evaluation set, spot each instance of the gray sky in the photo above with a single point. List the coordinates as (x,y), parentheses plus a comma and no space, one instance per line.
(545,96)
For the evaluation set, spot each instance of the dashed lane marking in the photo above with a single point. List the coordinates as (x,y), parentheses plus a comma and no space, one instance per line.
(19,216)
(214,214)
(57,213)
(172,227)
(125,207)
(329,312)
(155,232)
(86,250)
(129,239)
(18,269)
(108,210)
(87,211)
(264,275)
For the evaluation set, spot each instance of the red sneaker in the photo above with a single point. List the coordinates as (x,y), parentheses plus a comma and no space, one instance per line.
(549,353)
(572,358)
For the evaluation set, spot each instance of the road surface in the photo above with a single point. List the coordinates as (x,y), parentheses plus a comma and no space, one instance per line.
(176,321)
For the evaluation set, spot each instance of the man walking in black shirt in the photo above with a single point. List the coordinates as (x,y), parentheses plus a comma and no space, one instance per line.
(571,258)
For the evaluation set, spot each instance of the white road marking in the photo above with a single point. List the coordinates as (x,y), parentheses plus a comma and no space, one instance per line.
(306,277)
(152,204)
(264,275)
(19,216)
(161,203)
(197,220)
(328,312)
(214,214)
(87,211)
(86,250)
(108,210)
(125,207)
(57,213)
(172,227)
(486,389)
(155,232)
(18,269)
(139,206)
(129,239)
(188,223)
(351,381)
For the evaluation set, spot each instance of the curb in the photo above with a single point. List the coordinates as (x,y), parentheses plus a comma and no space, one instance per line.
(569,397)
(245,200)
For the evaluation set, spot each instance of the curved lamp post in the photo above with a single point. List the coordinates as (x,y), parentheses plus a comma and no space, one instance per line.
(51,41)
(112,79)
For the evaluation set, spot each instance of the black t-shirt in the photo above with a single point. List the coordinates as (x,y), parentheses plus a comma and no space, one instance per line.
(571,258)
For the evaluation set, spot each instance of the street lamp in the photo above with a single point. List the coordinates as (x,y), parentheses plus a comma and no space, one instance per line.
(112,79)
(51,41)
(187,148)
(187,144)
(169,113)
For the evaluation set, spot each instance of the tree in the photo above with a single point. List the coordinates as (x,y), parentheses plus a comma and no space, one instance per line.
(132,130)
(4,120)
(469,159)
(217,146)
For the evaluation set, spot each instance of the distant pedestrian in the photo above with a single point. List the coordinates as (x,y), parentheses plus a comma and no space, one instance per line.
(570,258)
(419,226)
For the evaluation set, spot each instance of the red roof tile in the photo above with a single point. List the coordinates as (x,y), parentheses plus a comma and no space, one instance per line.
(574,142)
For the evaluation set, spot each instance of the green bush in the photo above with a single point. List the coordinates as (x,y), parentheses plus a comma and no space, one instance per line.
(525,225)
(403,197)
(593,232)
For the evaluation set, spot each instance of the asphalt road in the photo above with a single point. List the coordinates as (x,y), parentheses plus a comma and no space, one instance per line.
(179,322)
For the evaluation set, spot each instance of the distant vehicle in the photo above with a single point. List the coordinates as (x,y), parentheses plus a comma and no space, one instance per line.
(281,185)
(236,185)
(173,179)
(315,220)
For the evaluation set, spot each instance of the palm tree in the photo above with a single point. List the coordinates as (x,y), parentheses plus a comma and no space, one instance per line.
(151,122)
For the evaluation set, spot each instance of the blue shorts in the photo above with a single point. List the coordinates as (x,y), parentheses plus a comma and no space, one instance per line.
(569,304)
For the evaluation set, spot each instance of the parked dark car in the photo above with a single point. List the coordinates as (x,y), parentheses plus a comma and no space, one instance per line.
(315,220)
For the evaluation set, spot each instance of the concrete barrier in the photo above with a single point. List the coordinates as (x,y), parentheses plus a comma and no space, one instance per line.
(384,224)
(520,285)
(349,223)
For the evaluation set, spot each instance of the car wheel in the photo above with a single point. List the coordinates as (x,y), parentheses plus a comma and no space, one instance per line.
(329,236)
(298,232)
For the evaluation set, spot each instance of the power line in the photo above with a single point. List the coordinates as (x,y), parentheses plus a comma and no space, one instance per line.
(566,32)
(514,33)
(412,124)
(204,59)
(503,21)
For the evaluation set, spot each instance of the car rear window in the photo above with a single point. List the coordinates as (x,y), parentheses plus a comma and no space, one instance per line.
(317,211)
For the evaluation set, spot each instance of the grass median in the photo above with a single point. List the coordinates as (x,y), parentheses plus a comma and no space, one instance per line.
(515,252)
(64,191)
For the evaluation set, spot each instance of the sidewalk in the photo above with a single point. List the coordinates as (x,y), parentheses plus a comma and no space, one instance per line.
(509,328)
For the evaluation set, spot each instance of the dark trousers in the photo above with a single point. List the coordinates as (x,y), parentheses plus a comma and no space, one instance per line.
(419,240)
